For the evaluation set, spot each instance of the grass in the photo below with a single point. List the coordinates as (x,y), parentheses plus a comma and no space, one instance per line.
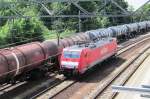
(53,34)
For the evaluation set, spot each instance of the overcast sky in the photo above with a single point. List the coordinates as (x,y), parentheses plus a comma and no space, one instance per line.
(136,3)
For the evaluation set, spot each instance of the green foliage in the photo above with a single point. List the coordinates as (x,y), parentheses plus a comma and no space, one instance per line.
(73,23)
(52,34)
(86,23)
(25,30)
(113,9)
(33,29)
(143,14)
(4,12)
(3,34)
(21,30)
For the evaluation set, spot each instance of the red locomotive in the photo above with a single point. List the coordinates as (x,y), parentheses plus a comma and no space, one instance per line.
(79,58)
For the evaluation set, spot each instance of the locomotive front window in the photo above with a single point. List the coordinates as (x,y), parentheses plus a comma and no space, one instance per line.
(71,54)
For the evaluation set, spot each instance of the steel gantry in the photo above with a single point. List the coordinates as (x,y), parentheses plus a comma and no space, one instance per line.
(83,12)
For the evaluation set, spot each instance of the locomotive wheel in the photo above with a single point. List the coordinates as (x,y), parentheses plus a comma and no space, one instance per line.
(12,81)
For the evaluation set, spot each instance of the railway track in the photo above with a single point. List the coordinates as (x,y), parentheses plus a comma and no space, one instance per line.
(27,89)
(52,85)
(68,83)
(143,58)
(133,40)
(122,75)
(8,87)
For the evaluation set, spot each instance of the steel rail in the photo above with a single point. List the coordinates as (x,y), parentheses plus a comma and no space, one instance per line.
(47,92)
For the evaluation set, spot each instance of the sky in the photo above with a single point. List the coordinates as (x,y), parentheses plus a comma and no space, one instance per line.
(136,3)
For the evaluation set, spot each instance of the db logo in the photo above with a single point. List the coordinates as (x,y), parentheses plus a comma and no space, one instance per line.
(104,50)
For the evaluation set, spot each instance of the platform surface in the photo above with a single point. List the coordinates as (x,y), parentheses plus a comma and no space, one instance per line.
(141,76)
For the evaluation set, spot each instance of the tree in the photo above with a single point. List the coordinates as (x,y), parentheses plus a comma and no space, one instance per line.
(113,9)
(86,23)
(59,27)
(23,30)
(143,14)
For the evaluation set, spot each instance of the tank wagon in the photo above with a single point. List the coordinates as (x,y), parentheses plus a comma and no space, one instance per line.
(121,32)
(22,61)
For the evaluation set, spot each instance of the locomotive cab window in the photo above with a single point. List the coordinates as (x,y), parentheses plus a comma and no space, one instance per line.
(71,54)
(111,40)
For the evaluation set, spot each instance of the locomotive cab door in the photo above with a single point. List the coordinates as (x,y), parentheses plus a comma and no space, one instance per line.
(87,60)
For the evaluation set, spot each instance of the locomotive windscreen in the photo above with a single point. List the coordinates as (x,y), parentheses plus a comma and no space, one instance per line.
(71,54)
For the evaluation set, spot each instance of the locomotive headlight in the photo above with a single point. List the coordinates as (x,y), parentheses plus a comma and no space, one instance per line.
(70,65)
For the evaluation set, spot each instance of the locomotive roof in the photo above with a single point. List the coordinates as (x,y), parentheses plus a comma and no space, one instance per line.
(90,45)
